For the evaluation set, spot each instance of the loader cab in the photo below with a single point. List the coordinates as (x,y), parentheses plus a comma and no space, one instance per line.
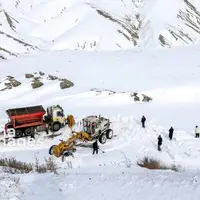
(91,124)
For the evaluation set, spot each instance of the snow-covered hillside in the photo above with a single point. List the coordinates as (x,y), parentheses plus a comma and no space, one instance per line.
(27,25)
(103,84)
(67,56)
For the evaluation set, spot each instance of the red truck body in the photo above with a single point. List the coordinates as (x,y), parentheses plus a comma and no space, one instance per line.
(26,117)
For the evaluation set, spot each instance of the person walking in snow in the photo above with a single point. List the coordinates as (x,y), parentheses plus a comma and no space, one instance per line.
(197,131)
(95,147)
(143,120)
(171,131)
(159,142)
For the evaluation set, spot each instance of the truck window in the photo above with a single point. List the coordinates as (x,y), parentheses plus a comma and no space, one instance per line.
(59,114)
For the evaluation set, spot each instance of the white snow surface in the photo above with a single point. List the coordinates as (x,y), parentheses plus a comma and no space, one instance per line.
(170,77)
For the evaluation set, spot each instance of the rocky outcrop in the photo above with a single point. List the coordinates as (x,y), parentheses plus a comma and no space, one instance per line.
(10,82)
(52,78)
(36,83)
(138,97)
(65,84)
(146,98)
(29,75)
(135,96)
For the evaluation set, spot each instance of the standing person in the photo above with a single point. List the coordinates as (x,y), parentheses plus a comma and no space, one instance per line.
(197,131)
(47,129)
(159,142)
(32,134)
(171,131)
(143,120)
(95,147)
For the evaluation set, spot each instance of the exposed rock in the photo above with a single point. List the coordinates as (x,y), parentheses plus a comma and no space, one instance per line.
(66,84)
(136,98)
(15,83)
(135,95)
(41,73)
(10,78)
(146,98)
(3,57)
(29,75)
(110,92)
(36,78)
(8,86)
(3,89)
(36,84)
(52,78)
(62,79)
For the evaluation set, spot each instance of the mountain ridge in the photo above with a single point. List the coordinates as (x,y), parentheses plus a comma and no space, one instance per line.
(92,25)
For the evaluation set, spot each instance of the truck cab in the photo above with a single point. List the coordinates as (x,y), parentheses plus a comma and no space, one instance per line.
(9,130)
(56,117)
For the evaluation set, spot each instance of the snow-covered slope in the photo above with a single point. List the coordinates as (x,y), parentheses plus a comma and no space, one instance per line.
(104,82)
(170,77)
(96,25)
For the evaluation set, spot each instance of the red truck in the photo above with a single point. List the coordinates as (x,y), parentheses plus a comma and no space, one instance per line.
(24,121)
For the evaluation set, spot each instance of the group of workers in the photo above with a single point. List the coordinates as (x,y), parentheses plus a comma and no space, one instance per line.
(171,132)
(160,140)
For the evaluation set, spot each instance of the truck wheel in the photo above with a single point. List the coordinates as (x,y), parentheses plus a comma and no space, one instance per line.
(56,126)
(18,133)
(51,149)
(109,134)
(28,132)
(102,139)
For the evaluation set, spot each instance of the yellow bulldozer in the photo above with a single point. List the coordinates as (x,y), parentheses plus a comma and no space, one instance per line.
(93,128)
(65,148)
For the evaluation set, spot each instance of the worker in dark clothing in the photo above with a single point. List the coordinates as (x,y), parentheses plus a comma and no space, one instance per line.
(159,142)
(47,129)
(171,131)
(95,147)
(143,121)
(32,134)
(197,132)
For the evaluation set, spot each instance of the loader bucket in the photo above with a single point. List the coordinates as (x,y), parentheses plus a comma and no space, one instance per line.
(70,121)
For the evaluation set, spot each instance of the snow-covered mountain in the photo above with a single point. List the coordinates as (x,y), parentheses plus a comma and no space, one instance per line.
(27,25)
(111,58)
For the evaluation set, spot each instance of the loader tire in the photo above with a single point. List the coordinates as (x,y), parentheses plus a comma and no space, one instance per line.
(109,134)
(51,149)
(56,126)
(18,133)
(103,139)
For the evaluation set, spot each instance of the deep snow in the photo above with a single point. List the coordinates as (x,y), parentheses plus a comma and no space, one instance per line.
(170,77)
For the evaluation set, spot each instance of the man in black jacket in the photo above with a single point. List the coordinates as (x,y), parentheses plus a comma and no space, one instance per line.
(143,121)
(171,131)
(159,142)
(95,147)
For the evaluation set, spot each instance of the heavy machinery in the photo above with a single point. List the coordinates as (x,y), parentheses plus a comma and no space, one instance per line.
(25,121)
(93,128)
